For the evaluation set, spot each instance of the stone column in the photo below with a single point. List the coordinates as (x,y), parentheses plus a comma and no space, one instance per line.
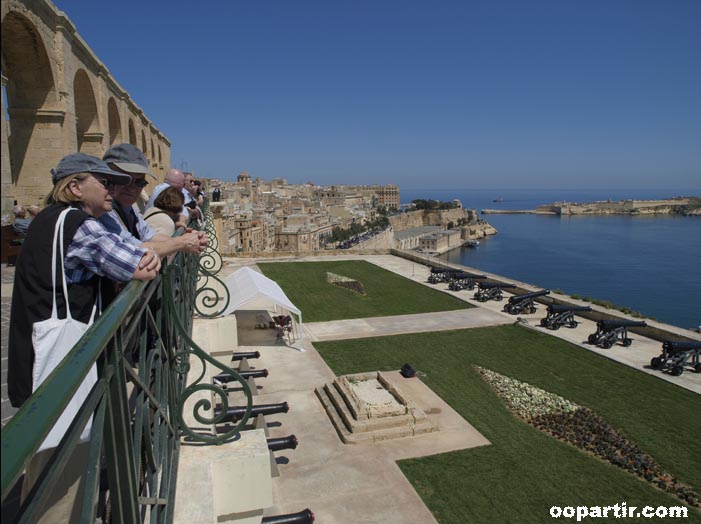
(42,132)
(8,192)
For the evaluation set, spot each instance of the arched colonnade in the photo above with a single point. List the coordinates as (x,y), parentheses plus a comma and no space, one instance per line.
(58,97)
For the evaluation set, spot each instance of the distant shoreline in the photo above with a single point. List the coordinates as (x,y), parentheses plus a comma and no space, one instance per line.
(686,206)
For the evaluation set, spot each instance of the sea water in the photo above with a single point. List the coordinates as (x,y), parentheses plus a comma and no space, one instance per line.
(650,264)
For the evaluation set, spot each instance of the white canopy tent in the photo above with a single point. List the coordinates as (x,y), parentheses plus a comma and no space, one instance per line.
(247,286)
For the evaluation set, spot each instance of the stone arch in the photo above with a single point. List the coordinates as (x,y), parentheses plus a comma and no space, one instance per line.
(152,154)
(31,91)
(115,123)
(132,133)
(86,119)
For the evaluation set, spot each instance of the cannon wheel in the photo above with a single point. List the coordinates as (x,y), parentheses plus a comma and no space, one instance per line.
(532,310)
(592,339)
(606,344)
(627,341)
(677,370)
(656,362)
(572,324)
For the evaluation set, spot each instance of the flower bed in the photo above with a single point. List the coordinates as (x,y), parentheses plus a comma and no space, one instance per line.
(581,427)
(345,282)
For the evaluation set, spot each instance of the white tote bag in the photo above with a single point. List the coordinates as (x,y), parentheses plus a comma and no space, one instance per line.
(53,339)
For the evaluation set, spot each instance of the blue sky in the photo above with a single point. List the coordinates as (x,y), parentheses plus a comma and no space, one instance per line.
(451,94)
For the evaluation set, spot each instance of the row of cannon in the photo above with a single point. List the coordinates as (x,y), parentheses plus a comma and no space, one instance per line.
(236,413)
(675,355)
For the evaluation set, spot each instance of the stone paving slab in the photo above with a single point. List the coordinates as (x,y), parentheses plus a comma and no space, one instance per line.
(396,325)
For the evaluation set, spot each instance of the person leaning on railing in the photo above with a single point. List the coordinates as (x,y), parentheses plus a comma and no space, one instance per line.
(126,221)
(164,214)
(83,183)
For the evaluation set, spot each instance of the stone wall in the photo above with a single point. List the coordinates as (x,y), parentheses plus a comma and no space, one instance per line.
(406,220)
(420,218)
(60,99)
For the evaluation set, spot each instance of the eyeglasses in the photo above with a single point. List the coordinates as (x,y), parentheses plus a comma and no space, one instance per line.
(109,185)
(139,183)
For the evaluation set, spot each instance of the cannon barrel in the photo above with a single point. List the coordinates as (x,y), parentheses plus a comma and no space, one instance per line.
(462,276)
(616,323)
(245,354)
(439,270)
(223,378)
(303,517)
(561,308)
(234,413)
(278,444)
(492,285)
(526,296)
(673,346)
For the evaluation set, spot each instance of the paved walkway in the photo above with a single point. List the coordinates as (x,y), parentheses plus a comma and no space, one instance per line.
(397,325)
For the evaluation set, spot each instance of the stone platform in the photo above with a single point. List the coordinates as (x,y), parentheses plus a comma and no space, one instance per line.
(366,407)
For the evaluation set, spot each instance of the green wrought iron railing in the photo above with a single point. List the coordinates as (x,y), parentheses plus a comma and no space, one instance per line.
(143,349)
(212,296)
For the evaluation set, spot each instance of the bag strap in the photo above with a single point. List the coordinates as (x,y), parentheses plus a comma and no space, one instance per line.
(58,239)
(58,233)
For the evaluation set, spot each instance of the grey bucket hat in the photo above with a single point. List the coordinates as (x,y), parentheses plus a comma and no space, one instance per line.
(127,158)
(82,163)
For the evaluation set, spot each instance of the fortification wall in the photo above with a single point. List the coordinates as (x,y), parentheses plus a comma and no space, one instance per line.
(405,221)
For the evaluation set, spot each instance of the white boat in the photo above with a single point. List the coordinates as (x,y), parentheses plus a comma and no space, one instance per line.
(472,243)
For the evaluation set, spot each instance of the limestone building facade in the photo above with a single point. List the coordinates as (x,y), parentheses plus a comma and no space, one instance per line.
(58,98)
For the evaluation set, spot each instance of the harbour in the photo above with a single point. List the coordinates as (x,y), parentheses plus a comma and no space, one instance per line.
(645,263)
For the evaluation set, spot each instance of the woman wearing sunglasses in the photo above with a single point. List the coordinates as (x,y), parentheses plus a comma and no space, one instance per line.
(83,183)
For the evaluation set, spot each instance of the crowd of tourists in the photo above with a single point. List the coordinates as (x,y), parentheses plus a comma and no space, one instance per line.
(98,231)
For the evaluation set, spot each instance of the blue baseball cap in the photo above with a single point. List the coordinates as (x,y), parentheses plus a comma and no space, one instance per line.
(82,163)
(127,158)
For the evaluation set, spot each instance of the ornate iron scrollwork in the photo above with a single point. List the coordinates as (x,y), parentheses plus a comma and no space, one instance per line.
(185,350)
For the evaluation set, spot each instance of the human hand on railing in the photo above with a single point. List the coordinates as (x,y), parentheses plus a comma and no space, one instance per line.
(191,242)
(204,241)
(149,266)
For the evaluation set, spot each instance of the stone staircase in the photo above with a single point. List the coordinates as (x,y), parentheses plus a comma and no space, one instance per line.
(365,407)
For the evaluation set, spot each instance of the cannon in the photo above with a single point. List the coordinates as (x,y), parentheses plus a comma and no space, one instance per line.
(609,331)
(442,274)
(235,413)
(562,315)
(676,355)
(524,303)
(223,378)
(280,443)
(249,355)
(303,517)
(491,291)
(460,281)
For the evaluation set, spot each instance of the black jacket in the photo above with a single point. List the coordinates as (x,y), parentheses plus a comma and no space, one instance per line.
(32,295)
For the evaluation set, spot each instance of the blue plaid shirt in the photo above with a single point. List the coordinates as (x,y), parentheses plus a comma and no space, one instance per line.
(114,224)
(96,251)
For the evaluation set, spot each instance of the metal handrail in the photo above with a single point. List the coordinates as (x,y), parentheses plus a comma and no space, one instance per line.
(142,347)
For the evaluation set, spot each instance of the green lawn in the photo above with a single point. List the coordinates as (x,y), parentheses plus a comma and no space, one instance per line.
(524,472)
(387,293)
